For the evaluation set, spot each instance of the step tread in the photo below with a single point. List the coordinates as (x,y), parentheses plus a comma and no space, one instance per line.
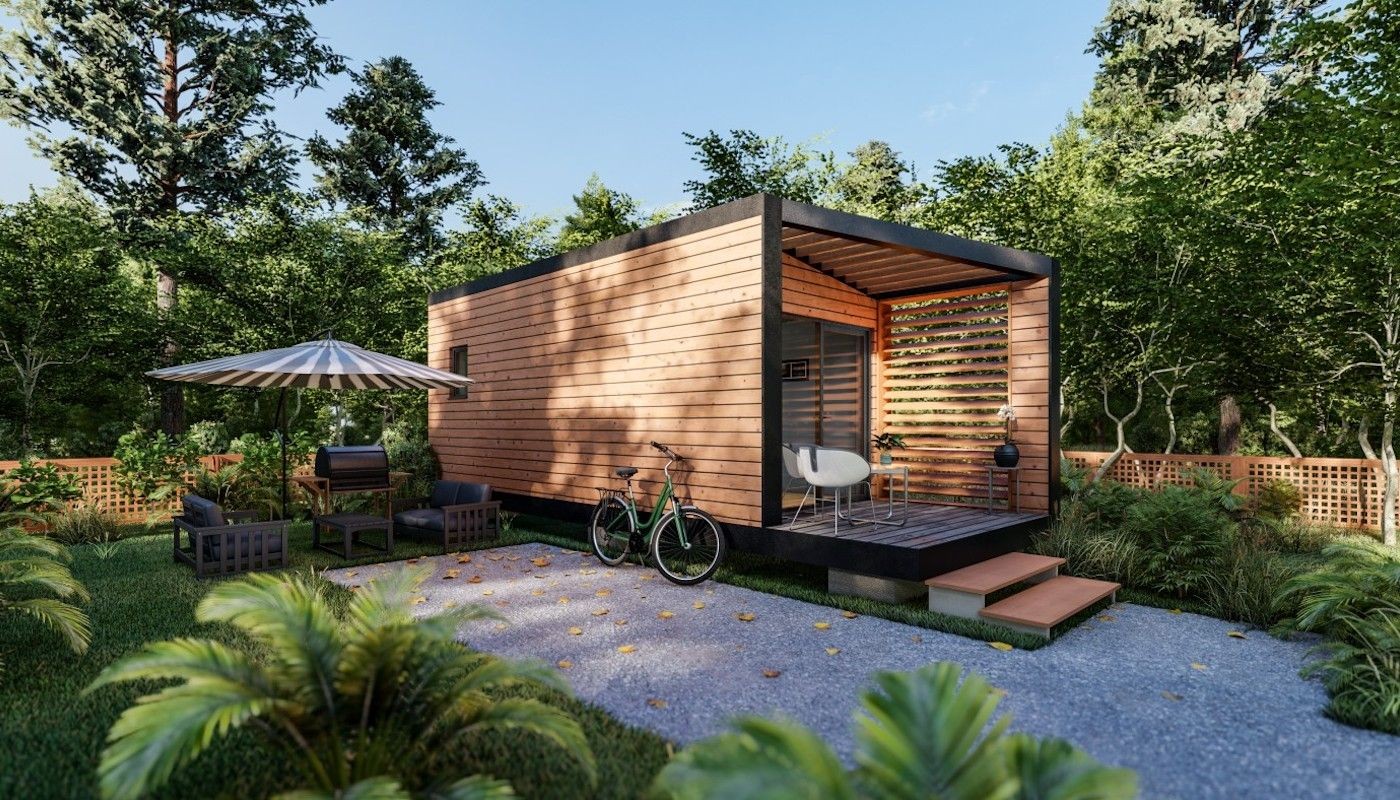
(1050,603)
(988,576)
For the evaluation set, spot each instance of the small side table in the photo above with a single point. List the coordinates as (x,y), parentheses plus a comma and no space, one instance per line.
(890,471)
(992,470)
(350,526)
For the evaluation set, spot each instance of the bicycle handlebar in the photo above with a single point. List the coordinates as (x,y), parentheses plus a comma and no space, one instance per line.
(663,448)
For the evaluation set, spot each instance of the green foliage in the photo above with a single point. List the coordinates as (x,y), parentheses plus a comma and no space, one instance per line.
(34,489)
(378,693)
(888,441)
(599,213)
(1277,500)
(496,236)
(928,733)
(1090,549)
(255,482)
(1354,599)
(1106,503)
(744,163)
(84,525)
(1217,489)
(151,465)
(207,437)
(35,582)
(408,451)
(1183,535)
(392,168)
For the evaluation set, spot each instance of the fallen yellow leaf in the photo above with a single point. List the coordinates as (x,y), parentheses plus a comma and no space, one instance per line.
(352,573)
(849,614)
(1175,611)
(627,648)
(464,559)
(1198,666)
(1236,635)
(537,592)
(831,651)
(567,552)
(565,663)
(600,612)
(355,588)
(656,702)
(620,622)
(474,579)
(450,574)
(821,626)
(563,601)
(648,577)
(1173,696)
(419,600)
(487,592)
(1002,646)
(412,561)
(495,556)
(500,626)
(772,673)
(917,638)
(542,561)
(512,558)
(697,605)
(745,616)
(576,631)
(1105,618)
(450,604)
(998,691)
(603,592)
(666,614)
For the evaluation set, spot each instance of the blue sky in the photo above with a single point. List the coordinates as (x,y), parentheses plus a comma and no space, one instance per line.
(544,93)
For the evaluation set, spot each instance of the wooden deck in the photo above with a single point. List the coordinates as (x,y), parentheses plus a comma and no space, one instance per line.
(928,525)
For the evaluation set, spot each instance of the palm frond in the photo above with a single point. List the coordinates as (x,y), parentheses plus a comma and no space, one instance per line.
(1053,769)
(377,788)
(16,544)
(40,574)
(477,787)
(542,720)
(924,734)
(67,620)
(761,759)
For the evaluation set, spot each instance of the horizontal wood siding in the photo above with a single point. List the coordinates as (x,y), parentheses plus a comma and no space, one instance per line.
(579,369)
(816,295)
(1029,329)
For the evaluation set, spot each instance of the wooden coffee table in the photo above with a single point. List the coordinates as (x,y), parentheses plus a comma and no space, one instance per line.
(349,527)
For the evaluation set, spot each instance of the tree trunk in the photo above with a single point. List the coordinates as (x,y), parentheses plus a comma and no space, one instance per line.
(1283,437)
(1363,436)
(1388,466)
(172,395)
(1120,427)
(1227,439)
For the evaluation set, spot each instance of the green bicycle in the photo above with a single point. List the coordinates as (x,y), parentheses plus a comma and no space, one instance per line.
(685,543)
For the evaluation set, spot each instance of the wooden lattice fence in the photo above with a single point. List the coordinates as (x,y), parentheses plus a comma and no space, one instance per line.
(101,490)
(1337,491)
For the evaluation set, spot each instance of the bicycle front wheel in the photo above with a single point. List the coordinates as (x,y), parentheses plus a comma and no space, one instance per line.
(610,530)
(690,559)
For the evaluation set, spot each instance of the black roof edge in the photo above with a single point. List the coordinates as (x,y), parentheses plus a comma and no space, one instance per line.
(892,234)
(733,211)
(1017,263)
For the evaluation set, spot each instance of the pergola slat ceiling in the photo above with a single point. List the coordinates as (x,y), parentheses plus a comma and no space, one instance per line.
(879,269)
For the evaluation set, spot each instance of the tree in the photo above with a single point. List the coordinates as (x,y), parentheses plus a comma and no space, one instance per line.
(877,183)
(927,733)
(392,168)
(744,163)
(496,235)
(160,108)
(599,213)
(32,567)
(67,305)
(378,696)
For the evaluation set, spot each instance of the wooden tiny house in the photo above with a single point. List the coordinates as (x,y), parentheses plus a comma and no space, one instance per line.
(728,332)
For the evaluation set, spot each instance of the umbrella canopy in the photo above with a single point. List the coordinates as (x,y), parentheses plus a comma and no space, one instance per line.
(323,364)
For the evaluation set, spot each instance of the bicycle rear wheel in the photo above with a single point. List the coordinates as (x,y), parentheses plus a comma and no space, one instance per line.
(610,530)
(694,560)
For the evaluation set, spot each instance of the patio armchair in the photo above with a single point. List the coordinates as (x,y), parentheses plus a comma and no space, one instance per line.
(227,542)
(837,470)
(454,513)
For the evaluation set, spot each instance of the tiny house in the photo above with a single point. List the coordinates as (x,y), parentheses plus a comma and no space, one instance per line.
(735,330)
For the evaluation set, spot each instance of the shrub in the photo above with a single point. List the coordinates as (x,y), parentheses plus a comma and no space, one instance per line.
(84,525)
(153,466)
(1277,500)
(256,481)
(408,450)
(1089,550)
(1217,489)
(207,438)
(927,733)
(1290,534)
(31,490)
(378,695)
(1183,535)
(1247,583)
(1106,503)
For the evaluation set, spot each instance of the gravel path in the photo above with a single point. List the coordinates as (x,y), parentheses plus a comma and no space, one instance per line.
(1195,711)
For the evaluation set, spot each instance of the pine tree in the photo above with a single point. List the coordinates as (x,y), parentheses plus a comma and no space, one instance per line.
(599,213)
(160,108)
(392,168)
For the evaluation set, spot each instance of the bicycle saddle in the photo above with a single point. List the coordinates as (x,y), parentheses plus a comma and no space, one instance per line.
(626,472)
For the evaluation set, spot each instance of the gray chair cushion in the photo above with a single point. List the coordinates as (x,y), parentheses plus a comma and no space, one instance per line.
(444,494)
(473,493)
(425,518)
(202,513)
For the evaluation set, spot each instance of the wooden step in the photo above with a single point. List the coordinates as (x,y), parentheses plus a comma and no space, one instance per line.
(1045,605)
(996,573)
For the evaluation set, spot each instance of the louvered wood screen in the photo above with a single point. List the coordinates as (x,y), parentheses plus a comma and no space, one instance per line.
(943,374)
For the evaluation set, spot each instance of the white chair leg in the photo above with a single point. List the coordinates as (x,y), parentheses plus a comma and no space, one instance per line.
(800,505)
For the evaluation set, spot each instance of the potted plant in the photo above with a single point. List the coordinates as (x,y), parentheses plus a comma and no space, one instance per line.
(1007,453)
(886,442)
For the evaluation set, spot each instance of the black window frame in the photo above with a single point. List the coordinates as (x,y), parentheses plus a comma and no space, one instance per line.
(459,392)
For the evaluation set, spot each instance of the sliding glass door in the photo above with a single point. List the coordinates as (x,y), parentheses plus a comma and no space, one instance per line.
(825,384)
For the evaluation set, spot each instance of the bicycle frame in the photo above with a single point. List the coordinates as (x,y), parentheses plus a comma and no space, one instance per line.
(668,495)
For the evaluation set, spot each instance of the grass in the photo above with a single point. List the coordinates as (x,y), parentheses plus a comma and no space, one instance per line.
(51,734)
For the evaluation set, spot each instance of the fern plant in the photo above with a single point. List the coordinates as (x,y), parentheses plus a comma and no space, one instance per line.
(931,733)
(35,581)
(357,704)
(1183,536)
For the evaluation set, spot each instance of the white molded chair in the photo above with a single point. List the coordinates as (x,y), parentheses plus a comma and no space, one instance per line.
(837,470)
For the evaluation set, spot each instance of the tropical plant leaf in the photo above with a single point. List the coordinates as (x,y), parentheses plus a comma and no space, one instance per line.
(1053,769)
(761,759)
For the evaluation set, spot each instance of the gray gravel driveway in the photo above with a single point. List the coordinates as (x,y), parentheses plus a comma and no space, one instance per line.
(1197,712)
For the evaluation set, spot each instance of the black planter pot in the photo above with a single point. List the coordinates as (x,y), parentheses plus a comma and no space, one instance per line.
(1007,455)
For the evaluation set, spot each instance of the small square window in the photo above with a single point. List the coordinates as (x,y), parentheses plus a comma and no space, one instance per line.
(459,366)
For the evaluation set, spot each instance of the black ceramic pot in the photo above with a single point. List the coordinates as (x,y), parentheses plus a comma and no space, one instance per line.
(1007,455)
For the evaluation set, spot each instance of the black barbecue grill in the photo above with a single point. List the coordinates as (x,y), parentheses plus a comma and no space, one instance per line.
(356,468)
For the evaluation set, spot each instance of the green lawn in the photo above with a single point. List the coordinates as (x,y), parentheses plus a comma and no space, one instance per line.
(51,734)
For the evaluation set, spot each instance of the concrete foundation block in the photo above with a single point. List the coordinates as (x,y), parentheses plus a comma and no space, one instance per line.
(889,590)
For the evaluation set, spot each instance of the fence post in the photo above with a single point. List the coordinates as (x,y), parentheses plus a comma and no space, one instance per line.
(1239,471)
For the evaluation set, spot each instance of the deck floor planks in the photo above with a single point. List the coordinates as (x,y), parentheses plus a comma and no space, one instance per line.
(928,525)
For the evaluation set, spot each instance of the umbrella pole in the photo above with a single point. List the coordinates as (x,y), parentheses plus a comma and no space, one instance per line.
(282,437)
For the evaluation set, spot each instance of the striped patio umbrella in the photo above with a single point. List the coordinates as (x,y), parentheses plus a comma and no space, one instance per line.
(323,364)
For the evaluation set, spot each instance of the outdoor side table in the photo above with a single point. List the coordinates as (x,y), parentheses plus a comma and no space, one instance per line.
(349,527)
(1009,472)
(889,471)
